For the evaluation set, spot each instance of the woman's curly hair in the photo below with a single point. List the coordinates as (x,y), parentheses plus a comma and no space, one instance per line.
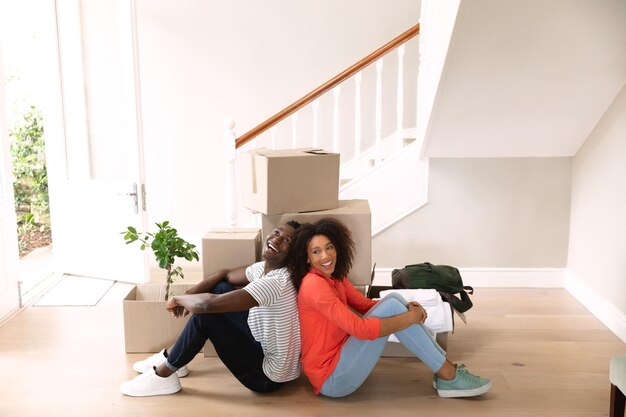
(337,233)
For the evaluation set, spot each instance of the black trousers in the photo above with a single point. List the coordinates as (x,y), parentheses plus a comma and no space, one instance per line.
(233,342)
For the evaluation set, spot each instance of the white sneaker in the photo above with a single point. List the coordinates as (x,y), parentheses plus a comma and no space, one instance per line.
(156,360)
(149,383)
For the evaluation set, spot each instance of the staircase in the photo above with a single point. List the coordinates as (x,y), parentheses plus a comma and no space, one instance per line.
(369,162)
(372,182)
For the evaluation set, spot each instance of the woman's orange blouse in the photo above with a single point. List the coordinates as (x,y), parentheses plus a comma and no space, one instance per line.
(326,322)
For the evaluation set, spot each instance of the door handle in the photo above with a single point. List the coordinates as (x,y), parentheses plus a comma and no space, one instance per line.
(135,197)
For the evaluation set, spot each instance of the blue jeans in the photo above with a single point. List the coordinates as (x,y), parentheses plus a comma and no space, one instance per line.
(358,357)
(233,342)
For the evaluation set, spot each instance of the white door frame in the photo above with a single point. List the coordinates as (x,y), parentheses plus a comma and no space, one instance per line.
(9,293)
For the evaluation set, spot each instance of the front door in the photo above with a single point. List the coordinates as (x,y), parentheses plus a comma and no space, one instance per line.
(94,143)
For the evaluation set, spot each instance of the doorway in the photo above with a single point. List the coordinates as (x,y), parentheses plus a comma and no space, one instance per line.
(22,35)
(77,62)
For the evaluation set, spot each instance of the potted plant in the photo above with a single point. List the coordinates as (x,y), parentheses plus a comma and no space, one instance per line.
(166,246)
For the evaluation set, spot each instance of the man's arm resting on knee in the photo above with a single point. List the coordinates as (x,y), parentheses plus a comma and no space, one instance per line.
(236,276)
(238,300)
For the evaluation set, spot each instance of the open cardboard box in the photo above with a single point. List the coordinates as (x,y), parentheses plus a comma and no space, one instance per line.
(148,326)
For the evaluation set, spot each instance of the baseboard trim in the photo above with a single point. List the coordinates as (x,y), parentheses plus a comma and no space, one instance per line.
(604,311)
(498,277)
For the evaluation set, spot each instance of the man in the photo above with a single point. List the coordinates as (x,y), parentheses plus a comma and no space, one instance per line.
(255,329)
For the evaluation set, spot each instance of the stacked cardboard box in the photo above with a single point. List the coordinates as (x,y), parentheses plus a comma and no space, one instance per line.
(230,248)
(289,181)
(303,185)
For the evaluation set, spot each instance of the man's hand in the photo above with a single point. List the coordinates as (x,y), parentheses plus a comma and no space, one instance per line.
(176,309)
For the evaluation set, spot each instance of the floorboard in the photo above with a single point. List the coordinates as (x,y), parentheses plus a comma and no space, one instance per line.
(546,354)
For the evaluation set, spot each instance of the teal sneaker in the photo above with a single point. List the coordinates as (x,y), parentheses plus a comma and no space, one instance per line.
(435,377)
(464,384)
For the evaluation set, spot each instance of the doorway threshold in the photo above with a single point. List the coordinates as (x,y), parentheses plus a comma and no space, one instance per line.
(36,274)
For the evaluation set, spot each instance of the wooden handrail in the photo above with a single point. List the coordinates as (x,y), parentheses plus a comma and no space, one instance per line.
(327,86)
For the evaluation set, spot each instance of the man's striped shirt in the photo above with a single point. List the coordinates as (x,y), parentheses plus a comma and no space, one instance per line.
(275,322)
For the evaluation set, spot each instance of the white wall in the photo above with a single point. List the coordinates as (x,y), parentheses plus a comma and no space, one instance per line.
(203,61)
(486,213)
(539,73)
(597,262)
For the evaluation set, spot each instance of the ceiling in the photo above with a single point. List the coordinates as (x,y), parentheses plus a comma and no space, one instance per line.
(527,78)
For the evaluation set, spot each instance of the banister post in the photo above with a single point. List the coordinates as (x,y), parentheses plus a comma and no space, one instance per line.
(357,116)
(316,106)
(230,153)
(378,121)
(336,134)
(400,98)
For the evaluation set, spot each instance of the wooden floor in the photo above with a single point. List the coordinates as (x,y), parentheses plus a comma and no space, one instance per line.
(545,353)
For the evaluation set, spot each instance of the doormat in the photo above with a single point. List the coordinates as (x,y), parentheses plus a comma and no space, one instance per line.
(75,291)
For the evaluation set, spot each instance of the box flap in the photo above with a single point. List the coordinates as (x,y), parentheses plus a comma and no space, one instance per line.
(156,292)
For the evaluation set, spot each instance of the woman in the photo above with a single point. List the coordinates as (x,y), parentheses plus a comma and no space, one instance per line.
(340,347)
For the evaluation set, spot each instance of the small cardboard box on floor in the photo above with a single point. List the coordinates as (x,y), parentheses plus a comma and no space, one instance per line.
(229,248)
(289,180)
(356,215)
(148,326)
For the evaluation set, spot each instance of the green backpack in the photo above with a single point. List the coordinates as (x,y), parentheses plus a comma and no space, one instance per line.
(443,278)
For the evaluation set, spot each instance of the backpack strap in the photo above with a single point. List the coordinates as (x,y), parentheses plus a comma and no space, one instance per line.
(461,304)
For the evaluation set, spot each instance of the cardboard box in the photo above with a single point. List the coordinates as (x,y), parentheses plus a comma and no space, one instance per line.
(148,326)
(289,181)
(230,248)
(356,215)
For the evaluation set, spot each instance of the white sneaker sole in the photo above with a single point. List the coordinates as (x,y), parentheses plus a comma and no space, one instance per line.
(447,393)
(162,391)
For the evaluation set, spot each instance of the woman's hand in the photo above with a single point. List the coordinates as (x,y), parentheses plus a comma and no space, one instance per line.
(419,311)
(415,314)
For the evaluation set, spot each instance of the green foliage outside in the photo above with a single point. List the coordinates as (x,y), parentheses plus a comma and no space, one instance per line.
(167,246)
(31,178)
